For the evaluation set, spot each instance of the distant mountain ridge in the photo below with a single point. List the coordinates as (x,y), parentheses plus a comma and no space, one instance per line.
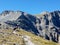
(45,25)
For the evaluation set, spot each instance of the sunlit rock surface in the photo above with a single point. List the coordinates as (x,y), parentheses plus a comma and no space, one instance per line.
(46,25)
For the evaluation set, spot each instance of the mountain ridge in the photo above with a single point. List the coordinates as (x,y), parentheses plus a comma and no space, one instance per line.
(46,26)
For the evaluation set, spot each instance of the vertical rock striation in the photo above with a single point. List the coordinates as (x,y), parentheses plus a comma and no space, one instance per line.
(46,25)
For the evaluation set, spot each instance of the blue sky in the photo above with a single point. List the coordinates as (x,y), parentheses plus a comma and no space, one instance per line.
(30,6)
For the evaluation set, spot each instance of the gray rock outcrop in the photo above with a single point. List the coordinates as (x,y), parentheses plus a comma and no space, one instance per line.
(46,25)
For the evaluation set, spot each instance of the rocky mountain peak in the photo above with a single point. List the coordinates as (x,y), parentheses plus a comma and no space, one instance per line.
(6,12)
(45,25)
(44,12)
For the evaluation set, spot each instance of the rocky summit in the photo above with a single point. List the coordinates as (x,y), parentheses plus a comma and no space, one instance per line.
(45,25)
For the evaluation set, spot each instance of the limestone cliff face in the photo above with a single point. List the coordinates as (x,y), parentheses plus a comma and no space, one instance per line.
(46,25)
(50,25)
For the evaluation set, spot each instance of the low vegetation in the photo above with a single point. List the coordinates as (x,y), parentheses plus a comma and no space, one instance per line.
(7,37)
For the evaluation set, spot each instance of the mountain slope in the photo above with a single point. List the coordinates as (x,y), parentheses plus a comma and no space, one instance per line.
(21,37)
(46,25)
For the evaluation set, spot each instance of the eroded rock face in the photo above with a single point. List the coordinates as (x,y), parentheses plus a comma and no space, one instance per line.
(45,25)
(50,25)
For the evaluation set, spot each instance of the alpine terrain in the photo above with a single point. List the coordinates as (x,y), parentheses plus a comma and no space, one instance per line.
(21,28)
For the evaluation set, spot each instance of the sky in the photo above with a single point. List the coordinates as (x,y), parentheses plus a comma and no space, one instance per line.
(30,6)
